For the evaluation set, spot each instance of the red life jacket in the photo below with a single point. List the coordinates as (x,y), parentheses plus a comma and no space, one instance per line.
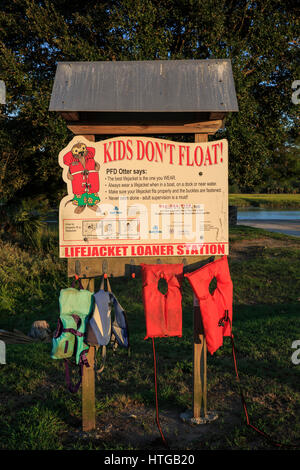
(85,179)
(217,307)
(163,312)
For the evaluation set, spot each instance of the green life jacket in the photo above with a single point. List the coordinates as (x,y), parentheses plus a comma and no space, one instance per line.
(69,338)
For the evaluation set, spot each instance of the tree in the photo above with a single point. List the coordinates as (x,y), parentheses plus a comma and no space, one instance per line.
(282,175)
(258,37)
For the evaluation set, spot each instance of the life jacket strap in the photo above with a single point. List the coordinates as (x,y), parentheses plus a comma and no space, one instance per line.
(101,368)
(79,283)
(83,359)
(72,388)
(84,172)
(225,319)
(74,332)
(107,283)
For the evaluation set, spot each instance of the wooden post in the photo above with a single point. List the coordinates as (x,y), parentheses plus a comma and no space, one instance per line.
(200,351)
(200,388)
(88,380)
(88,376)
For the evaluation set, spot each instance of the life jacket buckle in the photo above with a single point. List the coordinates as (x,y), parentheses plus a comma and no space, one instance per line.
(224,319)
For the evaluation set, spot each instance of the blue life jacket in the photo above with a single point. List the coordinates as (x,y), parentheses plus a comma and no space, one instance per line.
(103,329)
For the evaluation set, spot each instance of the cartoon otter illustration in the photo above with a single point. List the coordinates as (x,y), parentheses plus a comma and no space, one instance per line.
(84,174)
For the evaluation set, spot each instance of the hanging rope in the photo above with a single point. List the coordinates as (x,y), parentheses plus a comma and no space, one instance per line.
(259,431)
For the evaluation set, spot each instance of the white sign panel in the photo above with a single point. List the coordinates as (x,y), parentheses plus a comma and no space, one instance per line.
(139,196)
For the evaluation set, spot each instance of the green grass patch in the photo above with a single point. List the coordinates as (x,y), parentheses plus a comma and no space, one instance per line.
(267,274)
(35,427)
(280,201)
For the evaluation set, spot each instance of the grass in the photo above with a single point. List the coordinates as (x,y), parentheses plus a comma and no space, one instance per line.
(279,201)
(38,413)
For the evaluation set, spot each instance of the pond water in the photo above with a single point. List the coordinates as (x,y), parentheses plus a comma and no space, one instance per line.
(283,221)
(268,214)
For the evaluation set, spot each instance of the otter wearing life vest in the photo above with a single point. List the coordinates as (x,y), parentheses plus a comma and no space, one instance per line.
(84,174)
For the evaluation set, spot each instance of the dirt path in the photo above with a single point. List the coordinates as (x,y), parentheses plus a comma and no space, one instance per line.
(289,227)
(244,248)
(136,427)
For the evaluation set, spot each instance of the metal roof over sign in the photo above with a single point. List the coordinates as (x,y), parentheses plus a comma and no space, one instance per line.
(144,86)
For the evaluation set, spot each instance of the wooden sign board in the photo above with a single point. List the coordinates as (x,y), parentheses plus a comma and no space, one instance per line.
(137,197)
